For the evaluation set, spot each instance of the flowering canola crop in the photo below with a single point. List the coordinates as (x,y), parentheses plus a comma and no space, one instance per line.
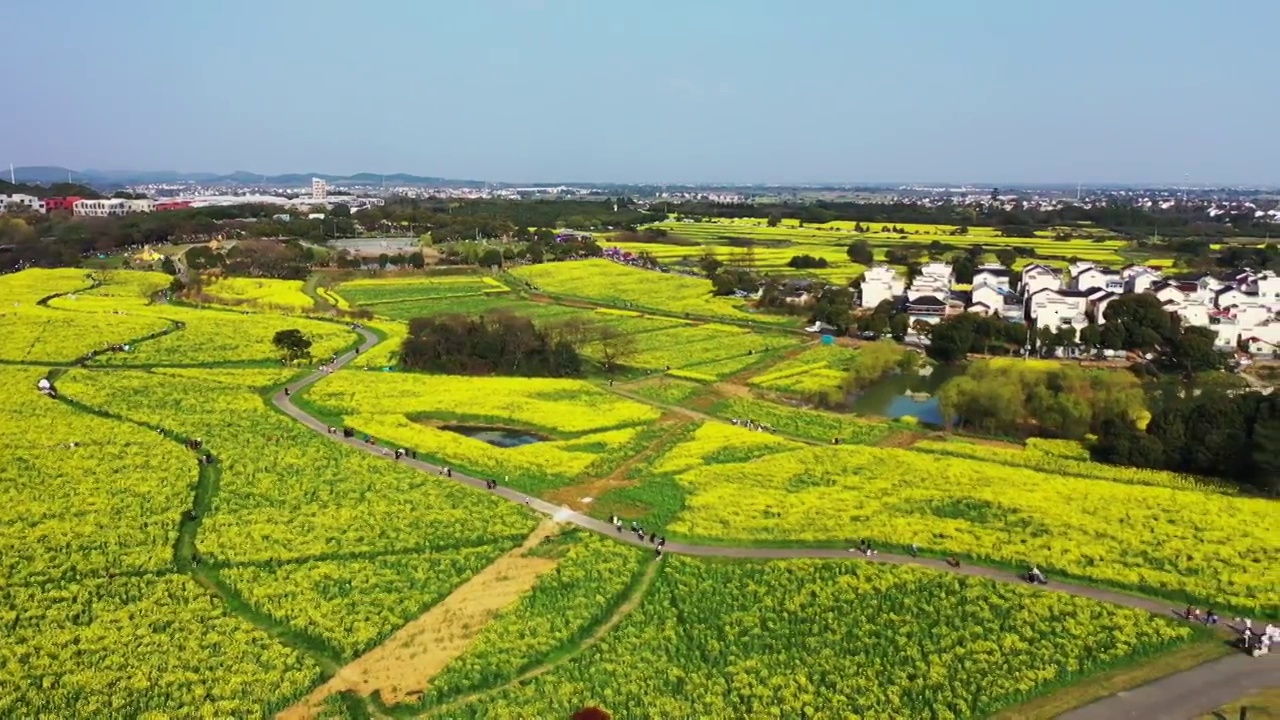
(804,638)
(1180,543)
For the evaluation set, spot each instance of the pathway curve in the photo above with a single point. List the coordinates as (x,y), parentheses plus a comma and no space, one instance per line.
(1197,690)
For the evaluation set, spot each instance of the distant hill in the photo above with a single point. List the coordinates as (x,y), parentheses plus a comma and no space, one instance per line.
(55,189)
(114,178)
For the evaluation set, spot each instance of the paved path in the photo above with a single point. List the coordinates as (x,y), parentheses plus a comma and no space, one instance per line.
(1183,695)
(1187,694)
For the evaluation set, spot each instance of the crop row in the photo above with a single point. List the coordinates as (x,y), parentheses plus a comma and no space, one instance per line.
(286,493)
(803,638)
(377,291)
(588,583)
(261,293)
(815,425)
(1179,543)
(609,283)
(1058,465)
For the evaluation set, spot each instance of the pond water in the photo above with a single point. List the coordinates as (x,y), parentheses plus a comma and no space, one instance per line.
(911,394)
(496,436)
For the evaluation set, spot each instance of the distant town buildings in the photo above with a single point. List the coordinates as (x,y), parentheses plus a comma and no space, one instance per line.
(21,203)
(1241,307)
(319,189)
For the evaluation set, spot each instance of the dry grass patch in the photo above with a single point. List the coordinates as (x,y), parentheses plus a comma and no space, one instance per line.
(400,668)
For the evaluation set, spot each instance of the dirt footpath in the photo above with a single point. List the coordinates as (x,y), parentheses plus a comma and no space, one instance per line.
(401,668)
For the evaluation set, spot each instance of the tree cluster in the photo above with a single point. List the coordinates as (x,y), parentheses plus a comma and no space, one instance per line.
(1208,433)
(806,262)
(500,344)
(959,335)
(256,258)
(1018,398)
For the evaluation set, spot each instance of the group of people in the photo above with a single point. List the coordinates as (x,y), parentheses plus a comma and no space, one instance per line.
(1208,617)
(1035,577)
(752,425)
(1258,642)
(865,548)
(654,539)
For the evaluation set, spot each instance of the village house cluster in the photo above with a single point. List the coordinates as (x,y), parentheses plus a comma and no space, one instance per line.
(1242,307)
(86,207)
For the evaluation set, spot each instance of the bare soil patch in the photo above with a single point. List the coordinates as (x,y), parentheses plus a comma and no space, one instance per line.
(402,667)
(574,496)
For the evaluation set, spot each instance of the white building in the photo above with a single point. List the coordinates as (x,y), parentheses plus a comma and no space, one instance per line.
(1139,278)
(1036,277)
(102,208)
(934,280)
(1094,277)
(319,189)
(880,283)
(992,274)
(19,202)
(1056,308)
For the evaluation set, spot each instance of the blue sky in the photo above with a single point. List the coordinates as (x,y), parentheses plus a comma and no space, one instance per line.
(661,90)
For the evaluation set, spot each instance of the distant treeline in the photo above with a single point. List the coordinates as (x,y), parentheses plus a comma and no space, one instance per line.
(1118,217)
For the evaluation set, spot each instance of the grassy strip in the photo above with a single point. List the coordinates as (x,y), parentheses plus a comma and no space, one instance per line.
(1126,676)
(1264,705)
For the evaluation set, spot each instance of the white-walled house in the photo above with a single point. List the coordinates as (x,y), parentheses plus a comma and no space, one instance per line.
(18,201)
(994,275)
(1095,277)
(880,283)
(937,272)
(933,281)
(1055,308)
(1139,278)
(1098,302)
(1036,277)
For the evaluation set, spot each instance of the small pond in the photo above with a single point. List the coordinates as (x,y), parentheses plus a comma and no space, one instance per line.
(496,436)
(909,394)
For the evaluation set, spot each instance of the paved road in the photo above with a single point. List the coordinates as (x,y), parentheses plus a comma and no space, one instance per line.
(1183,695)
(1187,694)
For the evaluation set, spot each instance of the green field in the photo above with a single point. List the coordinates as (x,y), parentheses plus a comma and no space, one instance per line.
(147,579)
(750,243)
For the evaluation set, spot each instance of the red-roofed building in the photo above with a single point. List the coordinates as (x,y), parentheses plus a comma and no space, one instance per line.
(65,204)
(162,205)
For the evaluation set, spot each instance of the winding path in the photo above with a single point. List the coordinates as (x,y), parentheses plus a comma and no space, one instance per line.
(1183,695)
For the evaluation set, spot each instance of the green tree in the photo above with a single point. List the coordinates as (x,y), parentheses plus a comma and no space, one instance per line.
(1091,336)
(293,343)
(710,264)
(775,219)
(1007,257)
(860,251)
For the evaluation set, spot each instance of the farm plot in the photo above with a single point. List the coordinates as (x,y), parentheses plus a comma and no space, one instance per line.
(693,346)
(39,334)
(1064,457)
(804,638)
(585,430)
(224,337)
(92,615)
(1180,543)
(286,494)
(378,291)
(82,495)
(610,283)
(815,425)
(590,581)
(820,368)
(139,646)
(270,294)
